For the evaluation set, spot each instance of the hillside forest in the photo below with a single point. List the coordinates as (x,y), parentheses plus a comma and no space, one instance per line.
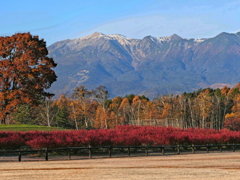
(92,109)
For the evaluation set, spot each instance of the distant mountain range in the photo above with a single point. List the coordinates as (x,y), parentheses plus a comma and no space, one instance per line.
(148,66)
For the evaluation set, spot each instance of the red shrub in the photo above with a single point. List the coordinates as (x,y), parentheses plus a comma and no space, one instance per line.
(120,136)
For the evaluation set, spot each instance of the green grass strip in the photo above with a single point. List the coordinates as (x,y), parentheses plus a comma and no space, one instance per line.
(26,127)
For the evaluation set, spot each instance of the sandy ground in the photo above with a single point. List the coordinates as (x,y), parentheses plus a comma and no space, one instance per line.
(212,166)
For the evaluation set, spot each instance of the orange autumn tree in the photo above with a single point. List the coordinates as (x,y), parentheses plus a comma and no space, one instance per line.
(25,72)
(232,120)
(81,104)
(115,111)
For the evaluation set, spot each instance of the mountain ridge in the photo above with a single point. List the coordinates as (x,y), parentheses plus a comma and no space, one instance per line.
(149,66)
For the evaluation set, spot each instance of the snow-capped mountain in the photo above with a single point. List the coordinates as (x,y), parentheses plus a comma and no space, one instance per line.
(150,66)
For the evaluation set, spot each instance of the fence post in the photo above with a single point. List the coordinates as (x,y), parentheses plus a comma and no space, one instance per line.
(146,151)
(110,151)
(46,155)
(220,148)
(233,147)
(163,150)
(90,152)
(193,149)
(69,153)
(128,150)
(178,149)
(207,148)
(19,156)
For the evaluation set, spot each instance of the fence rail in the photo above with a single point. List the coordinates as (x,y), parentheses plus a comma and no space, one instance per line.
(173,149)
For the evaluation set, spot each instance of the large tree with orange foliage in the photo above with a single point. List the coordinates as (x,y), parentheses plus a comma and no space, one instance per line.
(25,72)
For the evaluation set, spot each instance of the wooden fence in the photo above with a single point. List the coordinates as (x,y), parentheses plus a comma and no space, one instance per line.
(129,150)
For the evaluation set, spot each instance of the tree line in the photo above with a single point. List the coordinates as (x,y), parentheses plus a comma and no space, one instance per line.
(88,109)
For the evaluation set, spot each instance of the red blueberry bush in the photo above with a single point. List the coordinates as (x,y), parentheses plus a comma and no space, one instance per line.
(120,136)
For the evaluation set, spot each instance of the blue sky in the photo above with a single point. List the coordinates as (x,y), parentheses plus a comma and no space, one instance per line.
(55,20)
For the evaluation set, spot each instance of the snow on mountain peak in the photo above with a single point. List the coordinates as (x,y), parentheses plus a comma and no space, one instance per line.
(166,38)
(116,36)
(94,35)
(199,40)
(123,40)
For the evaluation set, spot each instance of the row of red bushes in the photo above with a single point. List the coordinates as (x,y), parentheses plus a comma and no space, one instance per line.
(120,136)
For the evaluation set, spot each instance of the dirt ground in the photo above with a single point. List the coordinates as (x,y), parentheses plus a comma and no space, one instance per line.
(214,166)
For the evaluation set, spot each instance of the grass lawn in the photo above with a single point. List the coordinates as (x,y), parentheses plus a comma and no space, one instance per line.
(26,127)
